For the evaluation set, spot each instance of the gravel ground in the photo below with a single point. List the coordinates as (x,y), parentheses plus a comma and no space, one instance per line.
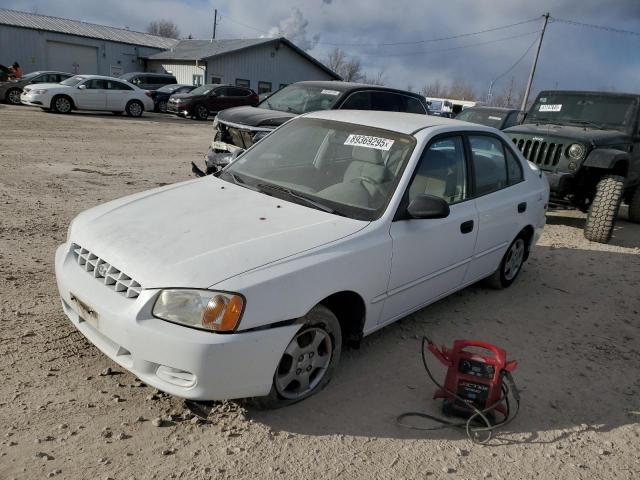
(67,411)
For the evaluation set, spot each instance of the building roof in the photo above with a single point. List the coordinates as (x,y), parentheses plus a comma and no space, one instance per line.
(203,49)
(15,18)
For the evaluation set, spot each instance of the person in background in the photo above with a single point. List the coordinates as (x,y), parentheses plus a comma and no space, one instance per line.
(15,71)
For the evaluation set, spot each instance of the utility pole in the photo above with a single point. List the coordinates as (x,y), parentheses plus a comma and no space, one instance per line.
(535,62)
(215,22)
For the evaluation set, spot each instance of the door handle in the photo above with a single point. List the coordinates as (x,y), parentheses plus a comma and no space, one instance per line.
(466,227)
(522,207)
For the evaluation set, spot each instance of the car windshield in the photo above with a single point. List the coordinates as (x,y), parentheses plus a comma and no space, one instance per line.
(71,81)
(491,118)
(341,168)
(302,99)
(203,89)
(599,111)
(170,88)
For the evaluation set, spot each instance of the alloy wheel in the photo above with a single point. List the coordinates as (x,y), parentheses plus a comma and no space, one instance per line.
(14,96)
(304,363)
(514,260)
(63,105)
(135,110)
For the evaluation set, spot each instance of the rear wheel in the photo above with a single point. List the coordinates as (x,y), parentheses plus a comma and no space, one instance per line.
(61,104)
(511,264)
(603,210)
(308,362)
(634,206)
(162,106)
(134,108)
(201,112)
(13,96)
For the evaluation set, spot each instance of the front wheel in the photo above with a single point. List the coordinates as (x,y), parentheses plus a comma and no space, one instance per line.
(202,112)
(61,104)
(308,362)
(603,210)
(13,96)
(634,206)
(510,265)
(134,108)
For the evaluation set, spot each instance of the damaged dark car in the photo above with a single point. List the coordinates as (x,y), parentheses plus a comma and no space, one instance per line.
(236,129)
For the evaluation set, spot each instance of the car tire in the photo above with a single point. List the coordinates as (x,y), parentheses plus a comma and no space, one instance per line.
(162,106)
(201,112)
(134,108)
(511,263)
(603,210)
(310,357)
(634,206)
(61,104)
(13,96)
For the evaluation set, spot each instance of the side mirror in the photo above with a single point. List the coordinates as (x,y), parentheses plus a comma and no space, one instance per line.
(82,87)
(428,206)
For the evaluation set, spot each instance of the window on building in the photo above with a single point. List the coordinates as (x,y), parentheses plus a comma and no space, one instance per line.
(242,82)
(264,87)
(197,80)
(216,79)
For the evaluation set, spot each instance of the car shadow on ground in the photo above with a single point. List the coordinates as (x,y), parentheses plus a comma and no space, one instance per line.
(576,355)
(625,233)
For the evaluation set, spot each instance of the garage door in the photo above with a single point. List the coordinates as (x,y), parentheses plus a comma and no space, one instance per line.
(67,57)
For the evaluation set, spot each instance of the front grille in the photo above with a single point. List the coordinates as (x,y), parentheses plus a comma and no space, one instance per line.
(240,138)
(540,153)
(107,273)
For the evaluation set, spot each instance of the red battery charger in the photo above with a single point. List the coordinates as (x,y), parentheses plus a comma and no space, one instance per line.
(477,378)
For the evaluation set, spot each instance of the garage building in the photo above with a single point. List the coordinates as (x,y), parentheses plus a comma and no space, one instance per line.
(39,42)
(263,64)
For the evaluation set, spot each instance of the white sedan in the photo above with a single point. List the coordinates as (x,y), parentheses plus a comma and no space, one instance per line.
(333,226)
(89,92)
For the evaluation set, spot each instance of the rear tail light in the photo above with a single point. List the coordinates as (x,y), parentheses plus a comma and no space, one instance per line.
(150,94)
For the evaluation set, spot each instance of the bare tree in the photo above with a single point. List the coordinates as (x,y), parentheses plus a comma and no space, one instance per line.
(163,28)
(434,89)
(376,79)
(458,90)
(349,69)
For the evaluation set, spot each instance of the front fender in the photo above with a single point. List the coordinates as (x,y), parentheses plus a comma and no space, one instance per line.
(606,158)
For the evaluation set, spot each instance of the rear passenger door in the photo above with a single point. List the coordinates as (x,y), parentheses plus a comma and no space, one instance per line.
(118,94)
(239,96)
(431,256)
(502,198)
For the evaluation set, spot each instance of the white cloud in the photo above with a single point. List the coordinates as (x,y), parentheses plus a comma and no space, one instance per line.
(294,28)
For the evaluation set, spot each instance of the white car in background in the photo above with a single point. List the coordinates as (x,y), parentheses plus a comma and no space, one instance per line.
(333,226)
(89,92)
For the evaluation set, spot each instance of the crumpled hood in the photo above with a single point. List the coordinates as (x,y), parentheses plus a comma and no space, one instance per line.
(255,116)
(571,132)
(201,232)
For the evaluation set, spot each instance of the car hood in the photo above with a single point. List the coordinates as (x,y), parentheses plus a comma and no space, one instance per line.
(571,133)
(200,232)
(255,116)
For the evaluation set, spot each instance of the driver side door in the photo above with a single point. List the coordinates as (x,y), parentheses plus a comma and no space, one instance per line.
(94,96)
(431,256)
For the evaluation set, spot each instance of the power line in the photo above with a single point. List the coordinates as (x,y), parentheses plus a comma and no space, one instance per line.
(492,83)
(597,27)
(244,25)
(428,52)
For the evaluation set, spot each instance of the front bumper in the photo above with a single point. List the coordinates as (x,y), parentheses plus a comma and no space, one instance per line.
(179,109)
(559,183)
(32,99)
(181,361)
(220,155)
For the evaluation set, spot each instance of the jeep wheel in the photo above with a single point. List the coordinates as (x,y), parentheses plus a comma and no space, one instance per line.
(604,209)
(308,361)
(634,206)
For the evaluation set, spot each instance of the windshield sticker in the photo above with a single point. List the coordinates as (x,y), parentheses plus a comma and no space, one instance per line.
(369,142)
(495,118)
(550,108)
(330,92)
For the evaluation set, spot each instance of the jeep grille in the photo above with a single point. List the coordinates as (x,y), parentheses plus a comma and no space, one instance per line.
(106,273)
(540,153)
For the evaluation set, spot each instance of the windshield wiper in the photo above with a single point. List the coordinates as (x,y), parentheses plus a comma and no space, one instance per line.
(586,122)
(238,181)
(291,193)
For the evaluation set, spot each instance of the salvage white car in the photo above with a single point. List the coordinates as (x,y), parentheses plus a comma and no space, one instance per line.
(89,92)
(335,225)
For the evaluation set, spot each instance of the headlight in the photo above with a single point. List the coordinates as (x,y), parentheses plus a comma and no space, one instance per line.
(215,122)
(203,309)
(575,151)
(40,92)
(259,136)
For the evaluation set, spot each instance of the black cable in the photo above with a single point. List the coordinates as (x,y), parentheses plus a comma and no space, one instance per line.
(507,387)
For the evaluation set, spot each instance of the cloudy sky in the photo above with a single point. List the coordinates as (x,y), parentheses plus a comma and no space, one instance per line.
(572,57)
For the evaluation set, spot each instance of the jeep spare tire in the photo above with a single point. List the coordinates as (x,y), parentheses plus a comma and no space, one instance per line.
(603,211)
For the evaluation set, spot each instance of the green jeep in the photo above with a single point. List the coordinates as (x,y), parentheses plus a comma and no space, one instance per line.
(588,145)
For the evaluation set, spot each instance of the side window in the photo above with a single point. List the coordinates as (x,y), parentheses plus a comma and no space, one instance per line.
(514,168)
(167,80)
(96,84)
(118,86)
(414,106)
(222,92)
(387,102)
(238,92)
(489,165)
(39,79)
(357,101)
(442,171)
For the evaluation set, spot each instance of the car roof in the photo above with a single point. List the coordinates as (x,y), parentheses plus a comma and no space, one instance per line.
(103,77)
(407,123)
(351,86)
(153,74)
(588,93)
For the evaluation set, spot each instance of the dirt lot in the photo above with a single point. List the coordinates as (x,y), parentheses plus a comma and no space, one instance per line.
(571,320)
